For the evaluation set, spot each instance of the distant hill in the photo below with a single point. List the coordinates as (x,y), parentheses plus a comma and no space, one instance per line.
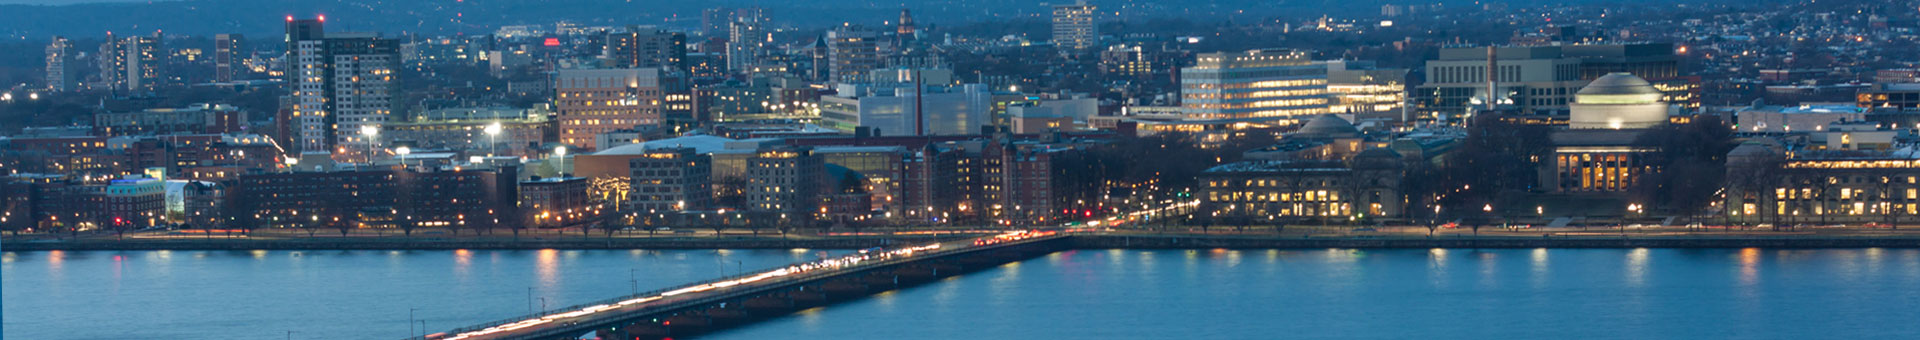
(257,17)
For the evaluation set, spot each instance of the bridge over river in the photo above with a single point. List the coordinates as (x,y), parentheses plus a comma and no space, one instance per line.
(738,300)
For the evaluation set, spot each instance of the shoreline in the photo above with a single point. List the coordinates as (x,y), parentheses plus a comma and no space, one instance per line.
(1090,241)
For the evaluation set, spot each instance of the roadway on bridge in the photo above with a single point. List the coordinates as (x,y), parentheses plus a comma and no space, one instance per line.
(611,311)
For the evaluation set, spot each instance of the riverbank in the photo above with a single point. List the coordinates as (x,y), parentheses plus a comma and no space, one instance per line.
(1177,241)
(1086,241)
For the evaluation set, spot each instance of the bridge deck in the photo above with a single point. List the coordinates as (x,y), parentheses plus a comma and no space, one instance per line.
(595,315)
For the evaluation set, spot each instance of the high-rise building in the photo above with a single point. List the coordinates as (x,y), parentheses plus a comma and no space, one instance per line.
(746,43)
(852,52)
(592,102)
(227,49)
(1254,86)
(144,60)
(59,65)
(133,63)
(645,46)
(906,31)
(671,179)
(340,83)
(897,109)
(112,63)
(1074,26)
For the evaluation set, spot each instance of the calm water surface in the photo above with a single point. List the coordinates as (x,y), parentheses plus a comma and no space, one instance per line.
(1313,294)
(1398,294)
(326,294)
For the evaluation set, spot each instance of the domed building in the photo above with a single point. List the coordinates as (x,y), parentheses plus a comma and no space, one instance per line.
(1618,101)
(1327,126)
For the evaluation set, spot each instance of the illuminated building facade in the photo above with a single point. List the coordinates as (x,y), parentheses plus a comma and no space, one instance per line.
(1365,92)
(1254,86)
(558,202)
(592,102)
(1366,185)
(1765,186)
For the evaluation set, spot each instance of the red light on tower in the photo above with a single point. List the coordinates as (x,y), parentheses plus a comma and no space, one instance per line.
(289,18)
(323,18)
(551,42)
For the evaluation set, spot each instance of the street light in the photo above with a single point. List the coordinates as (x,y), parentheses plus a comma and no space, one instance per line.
(370,132)
(560,155)
(493,131)
(403,152)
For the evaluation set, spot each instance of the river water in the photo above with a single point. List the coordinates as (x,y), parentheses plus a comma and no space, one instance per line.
(1159,294)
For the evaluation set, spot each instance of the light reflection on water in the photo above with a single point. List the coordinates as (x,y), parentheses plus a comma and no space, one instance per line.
(1384,294)
(322,294)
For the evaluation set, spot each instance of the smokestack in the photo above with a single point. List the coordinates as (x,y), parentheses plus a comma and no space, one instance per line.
(1493,77)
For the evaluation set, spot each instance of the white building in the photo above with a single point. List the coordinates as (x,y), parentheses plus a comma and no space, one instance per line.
(1254,86)
(1618,101)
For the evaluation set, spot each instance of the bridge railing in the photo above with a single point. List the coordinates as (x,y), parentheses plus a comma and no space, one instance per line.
(803,276)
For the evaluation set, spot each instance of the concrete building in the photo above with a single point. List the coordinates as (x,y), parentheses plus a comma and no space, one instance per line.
(1254,86)
(228,51)
(1544,79)
(897,109)
(195,119)
(645,46)
(1810,118)
(671,180)
(592,102)
(1075,27)
(515,131)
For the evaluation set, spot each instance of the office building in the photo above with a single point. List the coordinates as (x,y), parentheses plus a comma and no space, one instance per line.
(1544,79)
(904,109)
(1254,86)
(595,101)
